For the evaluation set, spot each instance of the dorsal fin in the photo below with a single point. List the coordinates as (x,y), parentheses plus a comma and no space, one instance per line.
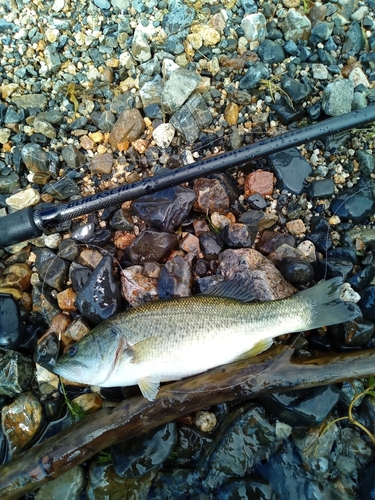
(232,289)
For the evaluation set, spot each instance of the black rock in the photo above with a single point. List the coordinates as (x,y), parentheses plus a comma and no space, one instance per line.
(358,332)
(16,372)
(314,111)
(175,279)
(296,90)
(287,114)
(271,52)
(354,204)
(100,297)
(100,237)
(256,201)
(228,183)
(181,484)
(12,330)
(331,267)
(63,189)
(52,270)
(323,188)
(362,279)
(209,245)
(320,343)
(238,235)
(255,488)
(191,443)
(354,41)
(166,209)
(150,245)
(257,71)
(68,249)
(307,407)
(320,234)
(366,161)
(122,221)
(137,456)
(367,303)
(83,233)
(321,32)
(296,270)
(291,169)
(47,351)
(79,276)
(346,253)
(271,240)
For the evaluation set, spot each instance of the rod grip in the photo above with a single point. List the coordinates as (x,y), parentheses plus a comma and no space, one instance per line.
(18,226)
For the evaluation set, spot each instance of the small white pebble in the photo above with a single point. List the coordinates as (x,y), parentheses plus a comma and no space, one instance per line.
(205,421)
(348,294)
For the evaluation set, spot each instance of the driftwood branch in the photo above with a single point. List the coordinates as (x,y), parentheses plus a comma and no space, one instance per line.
(270,372)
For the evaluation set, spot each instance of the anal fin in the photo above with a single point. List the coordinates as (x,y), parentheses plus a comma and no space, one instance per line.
(259,347)
(149,387)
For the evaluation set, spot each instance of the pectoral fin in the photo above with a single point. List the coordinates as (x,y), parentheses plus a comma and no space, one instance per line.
(149,387)
(259,347)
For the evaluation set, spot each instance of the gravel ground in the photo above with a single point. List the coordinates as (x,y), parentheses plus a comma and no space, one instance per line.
(96,95)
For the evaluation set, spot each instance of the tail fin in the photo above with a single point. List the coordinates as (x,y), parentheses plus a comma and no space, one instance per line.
(327,307)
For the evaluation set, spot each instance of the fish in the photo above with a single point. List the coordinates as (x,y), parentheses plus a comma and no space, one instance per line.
(170,339)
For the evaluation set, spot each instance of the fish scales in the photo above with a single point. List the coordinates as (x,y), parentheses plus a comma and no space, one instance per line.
(170,339)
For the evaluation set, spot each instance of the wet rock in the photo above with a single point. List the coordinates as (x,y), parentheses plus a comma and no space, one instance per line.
(190,244)
(338,97)
(21,422)
(178,483)
(68,250)
(175,279)
(12,330)
(84,232)
(287,252)
(137,288)
(88,403)
(246,438)
(179,17)
(296,90)
(90,258)
(367,303)
(103,483)
(63,189)
(286,114)
(307,407)
(260,182)
(296,270)
(258,219)
(128,127)
(192,117)
(366,161)
(9,183)
(320,234)
(252,487)
(78,275)
(166,209)
(100,237)
(100,297)
(178,88)
(271,240)
(291,170)
(257,272)
(151,246)
(323,188)
(138,456)
(47,350)
(69,485)
(331,267)
(229,185)
(205,421)
(352,204)
(358,332)
(210,196)
(16,372)
(77,329)
(122,221)
(122,239)
(231,113)
(191,443)
(209,245)
(48,382)
(66,300)
(362,279)
(239,235)
(252,78)
(52,270)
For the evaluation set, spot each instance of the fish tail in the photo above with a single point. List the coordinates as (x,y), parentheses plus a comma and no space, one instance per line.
(325,304)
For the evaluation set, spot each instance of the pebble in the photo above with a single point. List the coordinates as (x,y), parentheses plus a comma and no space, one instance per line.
(128,127)
(175,279)
(205,421)
(102,163)
(151,245)
(138,288)
(70,484)
(178,88)
(77,329)
(166,209)
(254,27)
(163,135)
(353,204)
(259,182)
(291,170)
(21,422)
(338,97)
(16,372)
(210,196)
(100,297)
(12,330)
(238,235)
(52,270)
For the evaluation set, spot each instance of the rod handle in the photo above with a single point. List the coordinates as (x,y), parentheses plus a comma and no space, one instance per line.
(18,226)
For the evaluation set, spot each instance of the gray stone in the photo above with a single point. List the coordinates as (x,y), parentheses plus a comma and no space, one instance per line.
(338,97)
(16,372)
(366,161)
(179,86)
(68,485)
(52,58)
(192,117)
(9,183)
(254,27)
(150,92)
(291,169)
(30,101)
(179,17)
(141,50)
(296,26)
(44,128)
(252,78)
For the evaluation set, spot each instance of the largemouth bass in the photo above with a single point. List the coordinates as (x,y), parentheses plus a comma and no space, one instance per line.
(170,339)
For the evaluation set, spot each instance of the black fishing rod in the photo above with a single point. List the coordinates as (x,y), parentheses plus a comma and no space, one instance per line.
(29,223)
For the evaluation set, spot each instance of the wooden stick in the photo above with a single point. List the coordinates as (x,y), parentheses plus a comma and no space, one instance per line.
(269,372)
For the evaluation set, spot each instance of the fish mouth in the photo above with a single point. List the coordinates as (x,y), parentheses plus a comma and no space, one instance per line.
(66,372)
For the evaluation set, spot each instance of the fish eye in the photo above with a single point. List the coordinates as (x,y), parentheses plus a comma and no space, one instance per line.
(72,351)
